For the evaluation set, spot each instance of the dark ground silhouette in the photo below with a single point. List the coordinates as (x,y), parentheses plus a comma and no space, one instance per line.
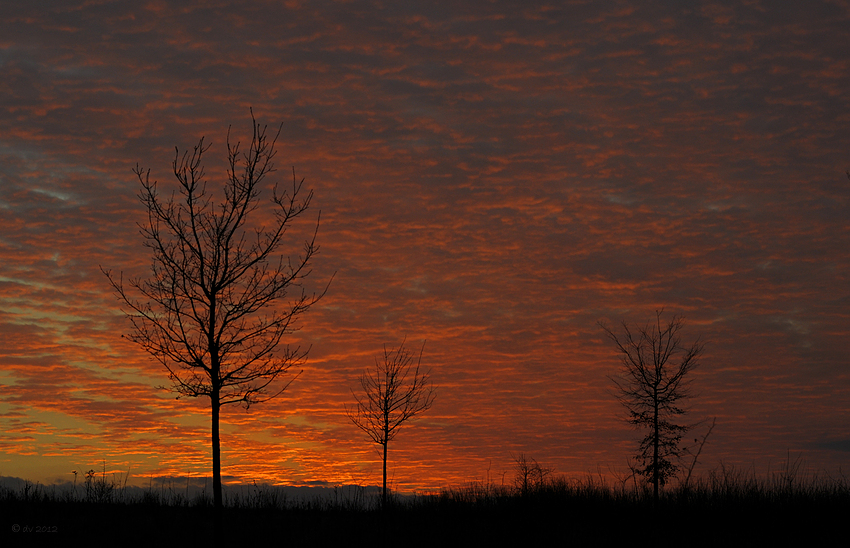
(730,510)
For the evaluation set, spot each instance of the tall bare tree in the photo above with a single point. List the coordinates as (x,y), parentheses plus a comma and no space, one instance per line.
(651,385)
(220,298)
(393,393)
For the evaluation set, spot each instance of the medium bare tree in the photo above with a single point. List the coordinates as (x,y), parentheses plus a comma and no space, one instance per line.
(650,386)
(393,393)
(218,303)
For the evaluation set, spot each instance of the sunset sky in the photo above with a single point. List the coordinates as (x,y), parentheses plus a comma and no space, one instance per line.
(494,178)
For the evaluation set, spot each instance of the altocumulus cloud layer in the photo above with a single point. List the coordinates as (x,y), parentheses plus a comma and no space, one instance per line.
(494,178)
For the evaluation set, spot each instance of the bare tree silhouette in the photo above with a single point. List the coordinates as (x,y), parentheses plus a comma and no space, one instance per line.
(217,305)
(529,476)
(393,393)
(650,386)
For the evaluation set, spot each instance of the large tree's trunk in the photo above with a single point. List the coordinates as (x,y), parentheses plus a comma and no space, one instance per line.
(216,458)
(216,452)
(215,399)
(384,496)
(386,443)
(655,435)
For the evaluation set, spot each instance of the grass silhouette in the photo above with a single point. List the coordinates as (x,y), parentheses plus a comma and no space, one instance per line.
(728,506)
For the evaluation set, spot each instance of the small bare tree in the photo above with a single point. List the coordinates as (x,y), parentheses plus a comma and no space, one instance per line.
(393,393)
(529,476)
(217,305)
(650,387)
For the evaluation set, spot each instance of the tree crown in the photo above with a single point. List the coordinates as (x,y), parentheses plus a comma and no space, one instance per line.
(393,392)
(211,310)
